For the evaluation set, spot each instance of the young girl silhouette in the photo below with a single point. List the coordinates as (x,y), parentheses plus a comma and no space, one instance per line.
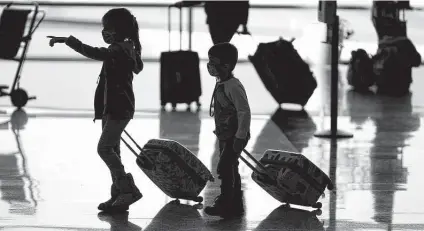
(114,97)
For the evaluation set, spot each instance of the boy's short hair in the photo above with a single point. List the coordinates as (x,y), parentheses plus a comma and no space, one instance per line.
(227,53)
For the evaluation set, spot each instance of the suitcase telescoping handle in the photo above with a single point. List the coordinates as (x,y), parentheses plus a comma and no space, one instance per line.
(169,26)
(150,163)
(259,164)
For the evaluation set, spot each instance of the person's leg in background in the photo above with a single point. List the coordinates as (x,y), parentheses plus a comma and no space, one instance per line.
(222,32)
(110,138)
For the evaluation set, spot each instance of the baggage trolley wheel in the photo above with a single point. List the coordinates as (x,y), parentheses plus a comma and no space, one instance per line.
(19,97)
(19,118)
(317,205)
(198,199)
(317,212)
(174,106)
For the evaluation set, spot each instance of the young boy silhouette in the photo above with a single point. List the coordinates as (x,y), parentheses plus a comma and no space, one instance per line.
(232,128)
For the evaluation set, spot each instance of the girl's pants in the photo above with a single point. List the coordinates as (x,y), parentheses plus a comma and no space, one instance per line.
(109,145)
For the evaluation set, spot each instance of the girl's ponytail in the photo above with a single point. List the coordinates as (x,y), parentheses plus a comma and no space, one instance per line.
(135,36)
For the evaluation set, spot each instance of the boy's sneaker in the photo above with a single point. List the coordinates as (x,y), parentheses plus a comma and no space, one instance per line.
(238,203)
(225,208)
(129,192)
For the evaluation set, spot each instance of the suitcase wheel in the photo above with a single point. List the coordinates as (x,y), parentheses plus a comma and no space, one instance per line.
(198,206)
(174,106)
(199,105)
(330,186)
(176,201)
(317,205)
(163,105)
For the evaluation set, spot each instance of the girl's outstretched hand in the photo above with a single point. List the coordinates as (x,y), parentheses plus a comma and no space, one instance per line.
(54,40)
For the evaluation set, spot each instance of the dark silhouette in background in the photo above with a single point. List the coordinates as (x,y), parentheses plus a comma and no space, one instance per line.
(17,187)
(384,13)
(223,17)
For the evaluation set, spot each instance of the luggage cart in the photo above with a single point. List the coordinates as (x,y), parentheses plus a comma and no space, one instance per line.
(12,27)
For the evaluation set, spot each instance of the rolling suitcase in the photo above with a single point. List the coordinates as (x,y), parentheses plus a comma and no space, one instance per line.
(179,73)
(172,167)
(283,72)
(290,177)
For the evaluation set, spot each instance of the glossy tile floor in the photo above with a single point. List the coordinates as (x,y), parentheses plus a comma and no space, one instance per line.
(52,179)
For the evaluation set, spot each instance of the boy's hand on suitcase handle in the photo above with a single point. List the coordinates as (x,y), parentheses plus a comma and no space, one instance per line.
(54,40)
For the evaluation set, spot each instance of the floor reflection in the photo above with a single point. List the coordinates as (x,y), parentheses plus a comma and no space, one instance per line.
(388,174)
(297,126)
(176,216)
(118,222)
(237,224)
(360,106)
(286,218)
(272,135)
(16,185)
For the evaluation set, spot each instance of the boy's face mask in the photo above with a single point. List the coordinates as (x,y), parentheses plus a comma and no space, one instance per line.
(108,36)
(216,69)
(213,70)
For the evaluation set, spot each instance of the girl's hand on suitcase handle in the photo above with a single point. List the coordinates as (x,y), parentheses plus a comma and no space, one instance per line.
(54,39)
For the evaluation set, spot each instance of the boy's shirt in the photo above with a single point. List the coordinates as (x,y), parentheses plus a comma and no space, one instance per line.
(232,110)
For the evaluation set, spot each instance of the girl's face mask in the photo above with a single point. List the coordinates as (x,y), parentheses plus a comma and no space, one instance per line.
(108,36)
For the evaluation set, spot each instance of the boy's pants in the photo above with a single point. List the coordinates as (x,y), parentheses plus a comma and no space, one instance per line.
(109,145)
(227,169)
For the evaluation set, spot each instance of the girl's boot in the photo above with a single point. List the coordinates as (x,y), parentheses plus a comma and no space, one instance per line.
(128,192)
(107,205)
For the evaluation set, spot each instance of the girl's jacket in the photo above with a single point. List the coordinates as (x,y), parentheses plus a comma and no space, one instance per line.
(114,93)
